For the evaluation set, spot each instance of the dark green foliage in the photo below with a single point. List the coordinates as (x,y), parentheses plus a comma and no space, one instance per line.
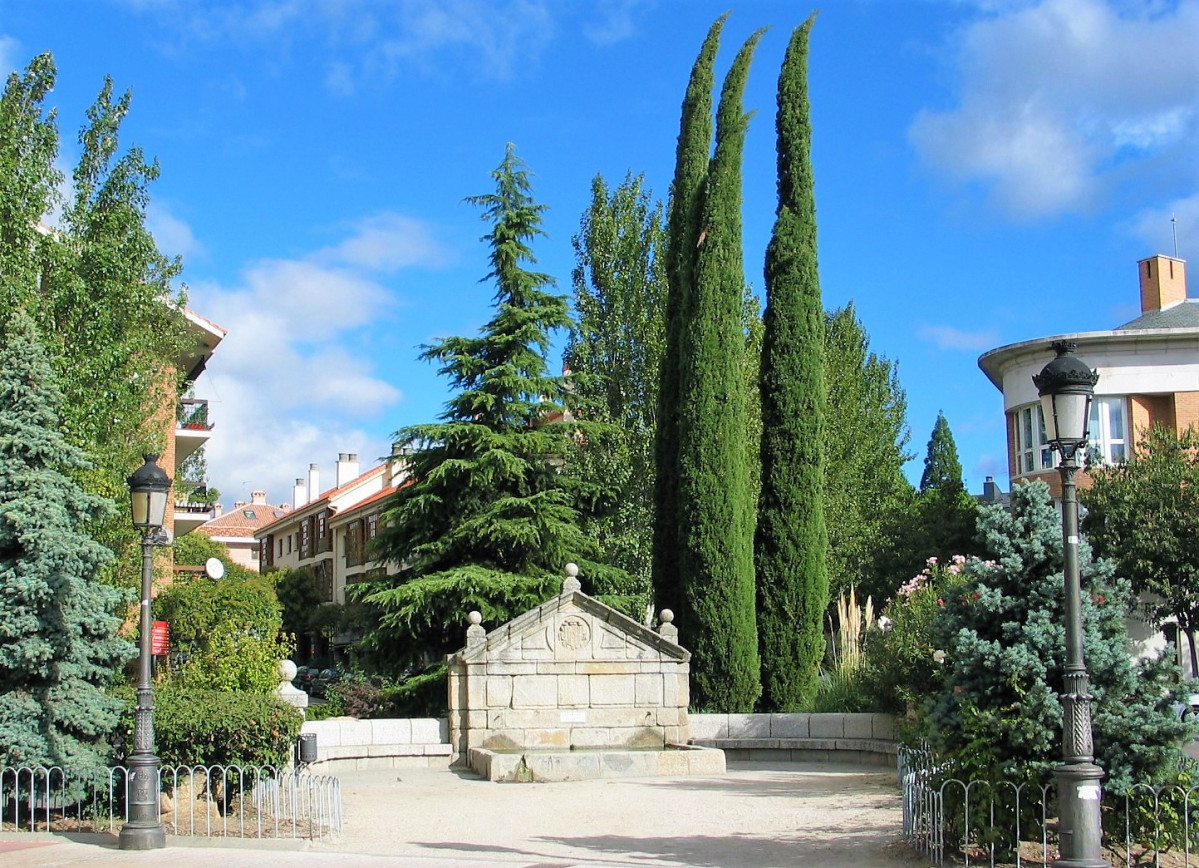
(614,356)
(489,521)
(197,607)
(299,598)
(194,550)
(940,522)
(715,512)
(998,708)
(421,695)
(58,625)
(97,287)
(1144,514)
(682,237)
(791,543)
(211,727)
(865,442)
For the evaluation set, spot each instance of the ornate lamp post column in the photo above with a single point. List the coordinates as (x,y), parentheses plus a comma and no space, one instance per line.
(148,488)
(1066,387)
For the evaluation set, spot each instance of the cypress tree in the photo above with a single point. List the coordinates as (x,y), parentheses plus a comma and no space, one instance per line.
(682,236)
(58,624)
(488,521)
(791,542)
(715,509)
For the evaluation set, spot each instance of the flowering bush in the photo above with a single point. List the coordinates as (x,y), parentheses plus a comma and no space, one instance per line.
(901,654)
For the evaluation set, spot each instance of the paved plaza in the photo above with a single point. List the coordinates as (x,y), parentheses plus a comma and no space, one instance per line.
(831,815)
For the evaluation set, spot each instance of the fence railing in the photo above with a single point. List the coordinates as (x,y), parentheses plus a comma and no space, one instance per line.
(208,801)
(1015,822)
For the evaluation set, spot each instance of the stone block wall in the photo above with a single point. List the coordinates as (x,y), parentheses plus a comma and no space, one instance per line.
(570,674)
(347,742)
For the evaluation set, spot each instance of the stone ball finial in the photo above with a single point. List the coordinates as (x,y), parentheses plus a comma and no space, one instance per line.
(475,634)
(286,670)
(571,583)
(666,628)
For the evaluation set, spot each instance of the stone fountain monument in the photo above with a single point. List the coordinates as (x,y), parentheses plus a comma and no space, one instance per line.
(573,690)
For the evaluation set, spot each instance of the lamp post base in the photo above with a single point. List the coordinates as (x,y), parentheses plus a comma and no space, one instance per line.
(1081,824)
(138,837)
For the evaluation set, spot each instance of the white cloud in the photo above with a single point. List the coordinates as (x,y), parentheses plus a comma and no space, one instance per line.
(1062,99)
(950,338)
(173,236)
(289,384)
(8,55)
(364,39)
(387,242)
(1156,227)
(614,20)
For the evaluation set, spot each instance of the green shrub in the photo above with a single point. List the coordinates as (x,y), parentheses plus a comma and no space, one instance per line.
(421,695)
(210,727)
(358,698)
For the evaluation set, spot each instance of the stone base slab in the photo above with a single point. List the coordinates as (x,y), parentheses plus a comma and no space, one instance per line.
(557,766)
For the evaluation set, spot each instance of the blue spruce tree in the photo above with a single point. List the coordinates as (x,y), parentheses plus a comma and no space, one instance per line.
(59,646)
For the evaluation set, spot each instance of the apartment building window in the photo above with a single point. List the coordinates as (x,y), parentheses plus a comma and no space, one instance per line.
(372,526)
(324,536)
(289,536)
(266,553)
(354,543)
(323,573)
(305,544)
(1109,431)
(1032,446)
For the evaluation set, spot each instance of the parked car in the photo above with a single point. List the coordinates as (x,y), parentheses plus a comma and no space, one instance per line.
(320,684)
(305,675)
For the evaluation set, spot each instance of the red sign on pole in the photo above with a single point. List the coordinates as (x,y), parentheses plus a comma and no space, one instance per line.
(160,638)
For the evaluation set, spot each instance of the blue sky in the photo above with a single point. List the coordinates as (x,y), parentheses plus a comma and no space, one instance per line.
(987,172)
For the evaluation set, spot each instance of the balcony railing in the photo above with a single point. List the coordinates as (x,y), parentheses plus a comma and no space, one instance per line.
(193,414)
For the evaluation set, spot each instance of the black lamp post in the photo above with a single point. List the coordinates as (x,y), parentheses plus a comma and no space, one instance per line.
(148,489)
(1066,387)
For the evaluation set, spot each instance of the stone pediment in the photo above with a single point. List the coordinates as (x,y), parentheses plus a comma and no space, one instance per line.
(573,627)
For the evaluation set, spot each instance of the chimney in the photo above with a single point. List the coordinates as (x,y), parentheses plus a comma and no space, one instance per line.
(347,468)
(286,507)
(217,509)
(299,493)
(258,498)
(989,489)
(314,482)
(397,469)
(238,504)
(1163,282)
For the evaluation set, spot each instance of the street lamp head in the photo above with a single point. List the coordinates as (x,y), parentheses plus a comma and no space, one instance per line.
(1066,386)
(148,488)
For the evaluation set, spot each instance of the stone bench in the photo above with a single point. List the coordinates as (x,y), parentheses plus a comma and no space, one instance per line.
(346,743)
(861,738)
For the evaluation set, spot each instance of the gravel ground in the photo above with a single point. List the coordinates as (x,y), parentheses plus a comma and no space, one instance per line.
(756,816)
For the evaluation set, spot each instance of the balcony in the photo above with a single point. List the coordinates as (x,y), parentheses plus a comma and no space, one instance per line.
(190,510)
(192,428)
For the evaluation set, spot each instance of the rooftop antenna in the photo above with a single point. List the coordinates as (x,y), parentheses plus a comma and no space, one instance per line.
(1174,229)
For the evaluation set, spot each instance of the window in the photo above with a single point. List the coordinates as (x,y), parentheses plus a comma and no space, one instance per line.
(289,537)
(324,535)
(372,525)
(354,543)
(1109,438)
(249,513)
(305,540)
(1032,447)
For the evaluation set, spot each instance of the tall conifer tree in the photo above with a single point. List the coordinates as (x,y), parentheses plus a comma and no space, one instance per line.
(487,521)
(791,543)
(716,512)
(683,229)
(58,625)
